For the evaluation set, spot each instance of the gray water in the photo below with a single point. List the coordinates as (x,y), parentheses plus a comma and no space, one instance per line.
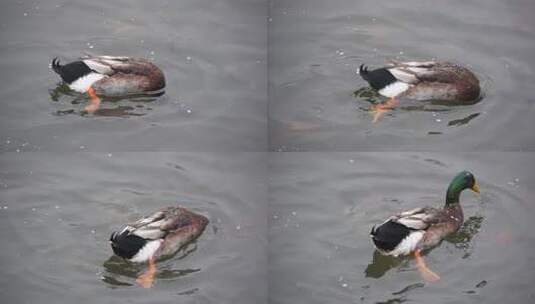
(57,212)
(323,206)
(245,77)
(213,55)
(316,47)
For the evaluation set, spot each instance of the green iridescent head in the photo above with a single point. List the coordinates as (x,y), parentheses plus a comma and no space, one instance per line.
(463,180)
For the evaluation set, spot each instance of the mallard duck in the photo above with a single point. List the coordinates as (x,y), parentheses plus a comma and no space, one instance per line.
(109,76)
(158,235)
(422,80)
(423,228)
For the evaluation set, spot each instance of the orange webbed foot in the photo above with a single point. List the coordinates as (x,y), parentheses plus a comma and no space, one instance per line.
(378,110)
(426,273)
(94,101)
(146,279)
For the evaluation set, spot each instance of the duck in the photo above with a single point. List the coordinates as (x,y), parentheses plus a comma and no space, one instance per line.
(109,76)
(423,81)
(413,231)
(158,235)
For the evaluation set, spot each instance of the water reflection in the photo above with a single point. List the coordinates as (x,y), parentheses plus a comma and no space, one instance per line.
(124,106)
(371,96)
(120,272)
(381,264)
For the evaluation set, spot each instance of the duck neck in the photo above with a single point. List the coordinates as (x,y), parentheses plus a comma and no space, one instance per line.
(453,193)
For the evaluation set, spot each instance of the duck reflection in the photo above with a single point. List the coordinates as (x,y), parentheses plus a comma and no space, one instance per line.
(125,106)
(120,272)
(369,95)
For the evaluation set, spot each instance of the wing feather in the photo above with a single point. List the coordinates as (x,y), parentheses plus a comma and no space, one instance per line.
(99,67)
(418,219)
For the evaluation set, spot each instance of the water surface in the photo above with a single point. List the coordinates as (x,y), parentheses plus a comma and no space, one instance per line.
(316,47)
(323,206)
(57,211)
(213,55)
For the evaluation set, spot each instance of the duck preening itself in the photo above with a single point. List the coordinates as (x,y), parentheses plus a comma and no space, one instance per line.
(422,80)
(109,76)
(423,228)
(160,234)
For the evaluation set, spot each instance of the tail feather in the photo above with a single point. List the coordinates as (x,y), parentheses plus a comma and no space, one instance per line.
(126,245)
(56,66)
(378,78)
(363,72)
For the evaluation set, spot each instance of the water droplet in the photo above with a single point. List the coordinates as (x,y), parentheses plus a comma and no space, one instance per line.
(270,19)
(294,213)
(351,161)
(5,207)
(110,155)
(91,46)
(238,227)
(93,231)
(25,14)
(57,207)
(152,52)
(344,285)
(82,147)
(8,141)
(438,120)
(33,209)
(188,111)
(275,217)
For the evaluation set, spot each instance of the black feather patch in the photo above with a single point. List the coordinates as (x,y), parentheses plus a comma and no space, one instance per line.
(378,78)
(71,71)
(389,235)
(126,245)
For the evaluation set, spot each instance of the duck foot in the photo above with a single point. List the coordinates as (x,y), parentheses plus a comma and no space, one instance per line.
(147,278)
(94,101)
(426,273)
(378,110)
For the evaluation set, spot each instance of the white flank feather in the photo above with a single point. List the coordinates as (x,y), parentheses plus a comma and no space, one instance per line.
(147,251)
(82,84)
(408,244)
(394,89)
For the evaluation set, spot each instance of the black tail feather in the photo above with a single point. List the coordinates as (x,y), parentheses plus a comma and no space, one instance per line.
(378,78)
(126,245)
(56,66)
(363,71)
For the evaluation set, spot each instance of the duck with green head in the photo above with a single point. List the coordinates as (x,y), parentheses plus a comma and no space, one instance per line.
(412,231)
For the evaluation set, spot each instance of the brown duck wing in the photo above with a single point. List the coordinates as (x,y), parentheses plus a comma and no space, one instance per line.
(150,227)
(419,218)
(176,218)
